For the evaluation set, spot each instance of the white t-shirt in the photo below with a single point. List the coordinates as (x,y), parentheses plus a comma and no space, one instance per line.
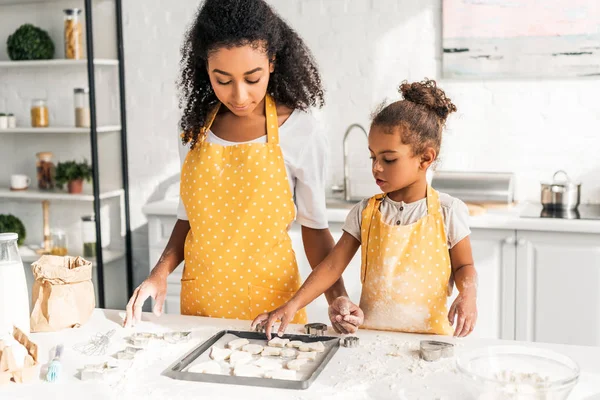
(305,153)
(454,212)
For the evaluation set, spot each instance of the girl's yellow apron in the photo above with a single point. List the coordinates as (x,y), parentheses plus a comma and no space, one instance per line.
(405,271)
(239,260)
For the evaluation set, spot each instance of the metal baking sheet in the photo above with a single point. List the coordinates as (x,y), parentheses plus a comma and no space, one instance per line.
(304,377)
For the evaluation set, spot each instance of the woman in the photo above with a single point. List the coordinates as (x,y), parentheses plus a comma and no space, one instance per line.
(254,161)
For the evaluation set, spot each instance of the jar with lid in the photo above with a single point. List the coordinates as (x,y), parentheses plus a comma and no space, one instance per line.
(39,113)
(88,235)
(82,107)
(58,242)
(45,170)
(73,34)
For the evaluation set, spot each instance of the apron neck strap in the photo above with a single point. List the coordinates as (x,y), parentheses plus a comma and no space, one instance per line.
(433,201)
(272,123)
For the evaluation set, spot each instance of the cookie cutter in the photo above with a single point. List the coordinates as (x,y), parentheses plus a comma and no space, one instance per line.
(177,337)
(350,341)
(433,350)
(96,371)
(315,329)
(141,338)
(128,353)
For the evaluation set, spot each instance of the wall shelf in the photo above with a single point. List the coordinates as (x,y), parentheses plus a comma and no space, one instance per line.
(56,63)
(28,255)
(36,194)
(66,129)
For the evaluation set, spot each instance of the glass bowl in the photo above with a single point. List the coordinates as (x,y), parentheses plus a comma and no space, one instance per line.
(517,373)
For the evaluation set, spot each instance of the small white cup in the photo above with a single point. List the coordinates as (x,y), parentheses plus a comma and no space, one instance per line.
(19,182)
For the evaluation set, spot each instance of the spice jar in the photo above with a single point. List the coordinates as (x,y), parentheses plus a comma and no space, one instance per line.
(3,121)
(88,235)
(82,107)
(12,121)
(73,34)
(58,240)
(39,113)
(45,170)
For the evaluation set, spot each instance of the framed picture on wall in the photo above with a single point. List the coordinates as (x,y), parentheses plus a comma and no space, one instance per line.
(521,38)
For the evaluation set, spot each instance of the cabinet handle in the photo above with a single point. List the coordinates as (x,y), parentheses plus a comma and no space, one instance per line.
(521,242)
(510,240)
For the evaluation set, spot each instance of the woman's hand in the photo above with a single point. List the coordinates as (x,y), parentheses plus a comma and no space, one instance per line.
(465,306)
(285,314)
(154,286)
(345,316)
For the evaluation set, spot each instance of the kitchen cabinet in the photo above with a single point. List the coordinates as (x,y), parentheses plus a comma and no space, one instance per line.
(558,276)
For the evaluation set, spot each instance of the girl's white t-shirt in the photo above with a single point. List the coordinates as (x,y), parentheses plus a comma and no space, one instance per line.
(305,153)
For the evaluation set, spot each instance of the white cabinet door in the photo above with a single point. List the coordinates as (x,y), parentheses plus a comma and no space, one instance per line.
(494,258)
(317,310)
(558,276)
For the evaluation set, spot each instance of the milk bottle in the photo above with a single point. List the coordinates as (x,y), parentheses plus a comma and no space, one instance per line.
(14,296)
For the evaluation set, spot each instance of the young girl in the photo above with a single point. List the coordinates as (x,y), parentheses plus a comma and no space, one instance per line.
(412,238)
(254,159)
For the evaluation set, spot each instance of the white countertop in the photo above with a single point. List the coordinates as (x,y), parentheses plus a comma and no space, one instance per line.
(383,367)
(493,219)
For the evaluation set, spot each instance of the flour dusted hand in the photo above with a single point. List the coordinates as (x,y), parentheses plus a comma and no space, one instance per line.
(285,314)
(345,316)
(154,286)
(464,311)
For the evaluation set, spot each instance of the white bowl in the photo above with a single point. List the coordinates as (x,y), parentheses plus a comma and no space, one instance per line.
(517,372)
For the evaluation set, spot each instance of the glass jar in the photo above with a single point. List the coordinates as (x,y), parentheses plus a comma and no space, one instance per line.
(14,295)
(88,235)
(73,34)
(45,170)
(39,113)
(82,107)
(58,242)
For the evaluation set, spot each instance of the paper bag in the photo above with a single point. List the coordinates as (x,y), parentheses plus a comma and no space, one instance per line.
(63,293)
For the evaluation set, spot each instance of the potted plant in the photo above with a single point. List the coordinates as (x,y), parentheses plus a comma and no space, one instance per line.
(12,224)
(29,42)
(73,173)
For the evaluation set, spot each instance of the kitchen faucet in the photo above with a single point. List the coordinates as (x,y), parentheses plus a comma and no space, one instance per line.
(346,187)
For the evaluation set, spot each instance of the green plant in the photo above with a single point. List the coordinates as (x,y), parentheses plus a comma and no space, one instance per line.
(72,171)
(10,223)
(29,42)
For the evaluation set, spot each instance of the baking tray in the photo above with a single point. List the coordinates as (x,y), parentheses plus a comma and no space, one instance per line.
(305,376)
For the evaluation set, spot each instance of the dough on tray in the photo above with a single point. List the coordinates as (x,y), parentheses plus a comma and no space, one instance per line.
(271,351)
(237,343)
(207,367)
(218,354)
(252,348)
(249,371)
(239,357)
(295,343)
(310,355)
(278,342)
(318,347)
(295,365)
(288,353)
(285,374)
(268,364)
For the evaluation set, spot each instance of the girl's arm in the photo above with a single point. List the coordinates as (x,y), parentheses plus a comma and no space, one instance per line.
(465,276)
(318,243)
(320,279)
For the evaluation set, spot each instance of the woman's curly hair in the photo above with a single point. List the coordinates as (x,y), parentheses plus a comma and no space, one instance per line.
(295,81)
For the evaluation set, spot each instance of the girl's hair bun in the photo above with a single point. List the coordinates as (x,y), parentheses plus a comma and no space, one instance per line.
(427,93)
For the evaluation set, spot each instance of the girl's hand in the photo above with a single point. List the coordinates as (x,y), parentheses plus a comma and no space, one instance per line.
(154,286)
(285,314)
(465,306)
(346,317)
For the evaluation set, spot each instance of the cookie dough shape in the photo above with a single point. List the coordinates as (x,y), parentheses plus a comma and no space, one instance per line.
(310,356)
(271,351)
(237,344)
(295,344)
(278,342)
(239,358)
(268,364)
(295,365)
(288,353)
(252,348)
(318,347)
(285,374)
(208,367)
(249,371)
(218,354)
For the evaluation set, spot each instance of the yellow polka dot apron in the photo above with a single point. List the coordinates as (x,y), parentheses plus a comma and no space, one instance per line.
(405,271)
(239,260)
